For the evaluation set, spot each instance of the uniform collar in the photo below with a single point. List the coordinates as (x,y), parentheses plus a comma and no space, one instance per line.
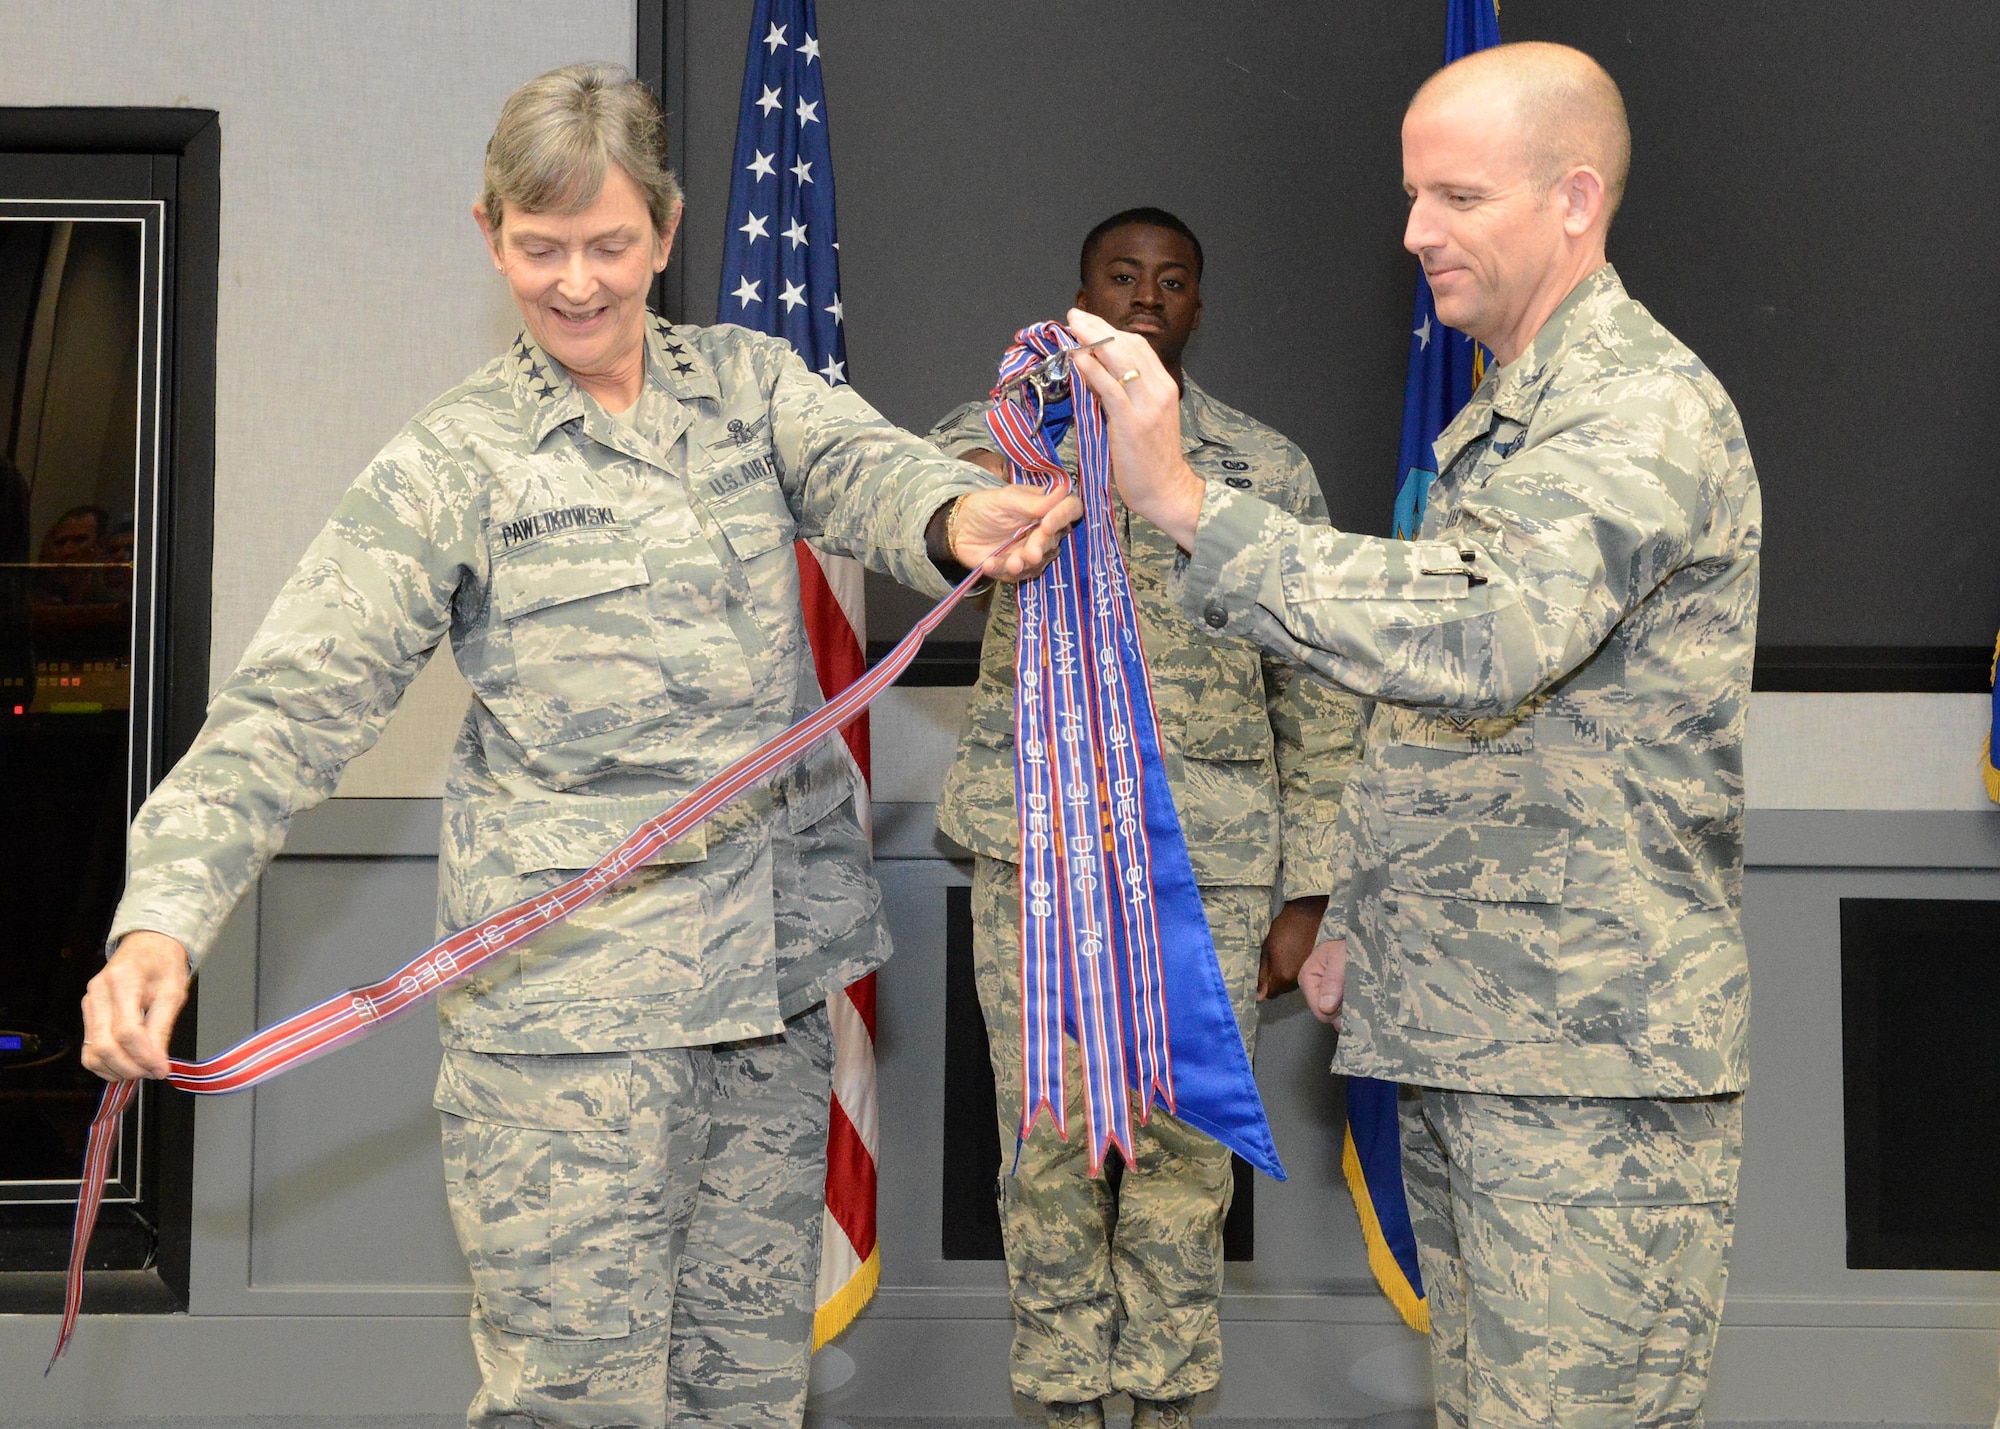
(1512,393)
(542,388)
(1518,387)
(1200,422)
(676,364)
(547,396)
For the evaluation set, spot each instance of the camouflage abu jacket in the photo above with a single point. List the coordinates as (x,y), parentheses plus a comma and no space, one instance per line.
(1256,750)
(624,602)
(1544,844)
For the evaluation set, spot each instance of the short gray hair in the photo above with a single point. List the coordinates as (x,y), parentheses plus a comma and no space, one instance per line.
(560,133)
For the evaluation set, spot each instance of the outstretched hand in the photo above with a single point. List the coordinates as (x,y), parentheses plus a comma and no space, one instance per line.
(1142,406)
(986,518)
(130,1007)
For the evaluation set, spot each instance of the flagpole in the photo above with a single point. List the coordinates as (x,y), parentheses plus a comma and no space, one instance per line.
(1444,367)
(781,275)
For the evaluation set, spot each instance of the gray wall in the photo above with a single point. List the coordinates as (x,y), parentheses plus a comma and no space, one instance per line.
(354,286)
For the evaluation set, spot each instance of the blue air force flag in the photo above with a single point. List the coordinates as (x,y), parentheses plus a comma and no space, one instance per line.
(1445,366)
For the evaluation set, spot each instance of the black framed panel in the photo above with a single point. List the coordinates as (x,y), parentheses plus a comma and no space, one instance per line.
(1861,669)
(157,172)
(173,156)
(1787,255)
(81,285)
(1919,979)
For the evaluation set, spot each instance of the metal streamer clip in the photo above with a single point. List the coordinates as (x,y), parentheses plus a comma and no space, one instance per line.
(1049,378)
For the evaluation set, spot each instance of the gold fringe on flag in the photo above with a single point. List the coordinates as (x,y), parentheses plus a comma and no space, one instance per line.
(1388,1274)
(1987,772)
(847,1302)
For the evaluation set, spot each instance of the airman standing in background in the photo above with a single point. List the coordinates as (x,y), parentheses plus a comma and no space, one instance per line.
(1117,1278)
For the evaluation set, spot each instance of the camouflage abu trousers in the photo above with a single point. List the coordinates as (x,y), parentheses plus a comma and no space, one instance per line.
(642,1228)
(1111,1289)
(1574,1252)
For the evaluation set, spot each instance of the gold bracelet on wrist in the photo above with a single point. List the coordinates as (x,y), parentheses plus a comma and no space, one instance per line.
(951,526)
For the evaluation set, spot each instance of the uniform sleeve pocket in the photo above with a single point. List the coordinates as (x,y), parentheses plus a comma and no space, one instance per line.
(1389,570)
(1226,737)
(1471,922)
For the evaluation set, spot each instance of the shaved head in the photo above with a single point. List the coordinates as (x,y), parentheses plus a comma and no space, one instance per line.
(1566,110)
(1514,160)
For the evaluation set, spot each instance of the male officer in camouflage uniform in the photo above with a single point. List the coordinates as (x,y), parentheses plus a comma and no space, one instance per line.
(601,521)
(1116,1282)
(1542,852)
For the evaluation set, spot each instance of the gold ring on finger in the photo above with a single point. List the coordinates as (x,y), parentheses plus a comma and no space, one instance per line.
(1128,375)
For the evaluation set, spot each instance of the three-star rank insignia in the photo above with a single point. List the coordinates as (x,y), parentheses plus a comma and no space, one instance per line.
(540,381)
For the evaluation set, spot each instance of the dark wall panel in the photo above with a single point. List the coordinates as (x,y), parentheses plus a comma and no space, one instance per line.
(1920,973)
(1811,184)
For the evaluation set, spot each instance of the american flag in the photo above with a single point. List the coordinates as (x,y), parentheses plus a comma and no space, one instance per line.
(781,260)
(781,275)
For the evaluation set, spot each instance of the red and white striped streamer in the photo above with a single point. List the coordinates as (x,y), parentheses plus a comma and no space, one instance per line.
(357,1013)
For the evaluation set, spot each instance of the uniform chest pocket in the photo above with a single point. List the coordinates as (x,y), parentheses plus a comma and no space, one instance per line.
(1471,920)
(584,649)
(749,505)
(1226,793)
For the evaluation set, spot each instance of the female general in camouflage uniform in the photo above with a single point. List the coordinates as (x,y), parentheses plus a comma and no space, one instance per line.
(601,521)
